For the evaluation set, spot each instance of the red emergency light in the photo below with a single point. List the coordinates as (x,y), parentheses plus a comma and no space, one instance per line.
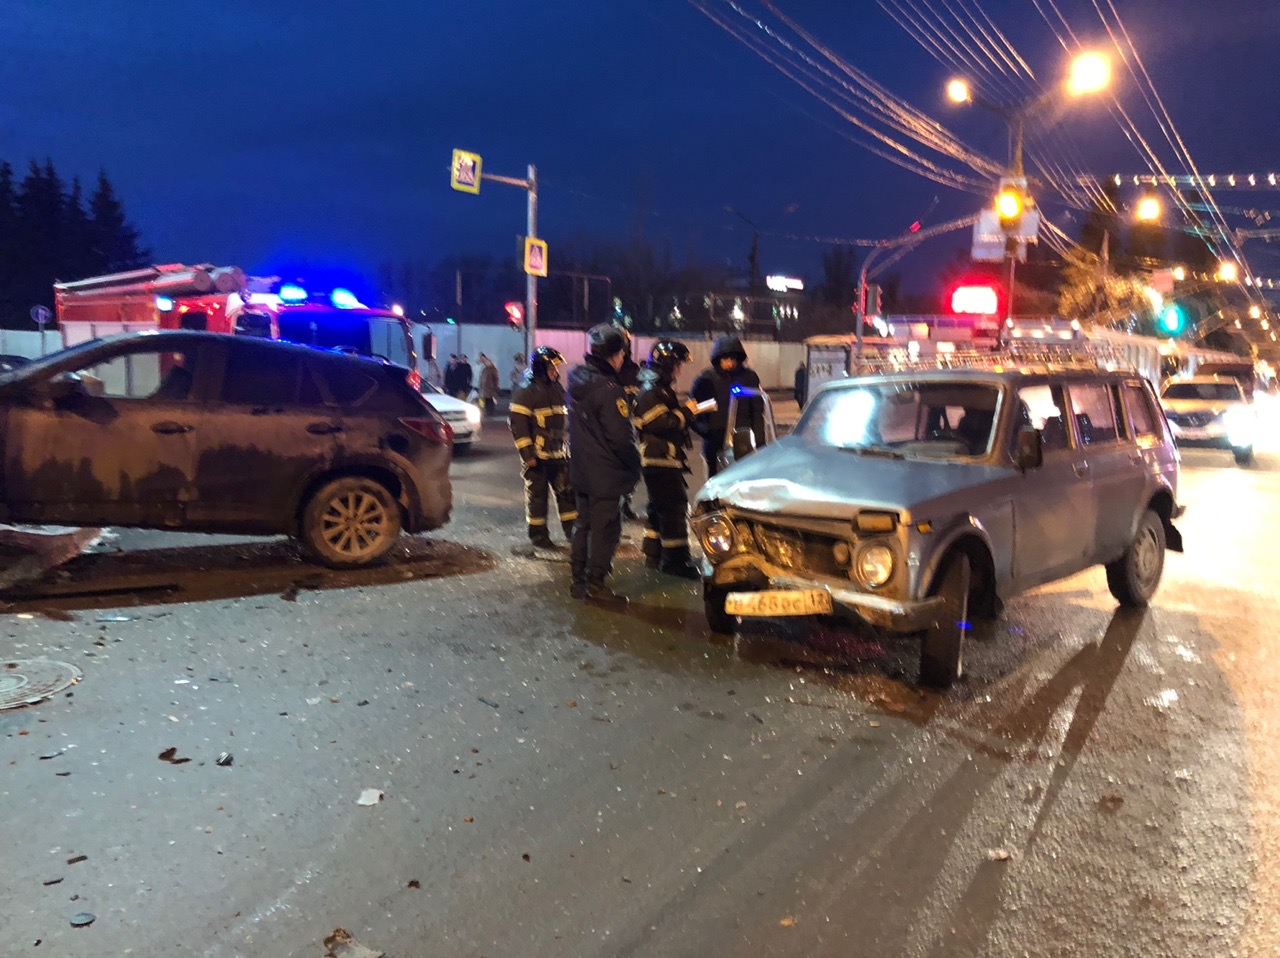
(976,300)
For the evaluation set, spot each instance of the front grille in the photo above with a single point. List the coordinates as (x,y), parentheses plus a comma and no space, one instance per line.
(454,416)
(798,551)
(1193,419)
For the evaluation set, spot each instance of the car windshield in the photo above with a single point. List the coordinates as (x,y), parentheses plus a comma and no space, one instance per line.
(942,420)
(1205,392)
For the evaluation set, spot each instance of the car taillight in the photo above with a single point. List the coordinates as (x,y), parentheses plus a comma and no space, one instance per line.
(432,429)
(415,380)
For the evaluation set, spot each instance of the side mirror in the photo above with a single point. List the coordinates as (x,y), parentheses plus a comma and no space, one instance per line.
(64,386)
(1030,452)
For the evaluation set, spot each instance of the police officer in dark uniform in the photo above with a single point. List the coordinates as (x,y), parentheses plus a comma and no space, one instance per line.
(604,464)
(629,379)
(728,369)
(663,422)
(538,424)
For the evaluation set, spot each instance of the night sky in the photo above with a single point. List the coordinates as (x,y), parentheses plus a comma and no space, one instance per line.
(262,133)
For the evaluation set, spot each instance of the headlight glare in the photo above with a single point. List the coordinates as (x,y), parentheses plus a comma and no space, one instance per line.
(718,536)
(473,415)
(875,565)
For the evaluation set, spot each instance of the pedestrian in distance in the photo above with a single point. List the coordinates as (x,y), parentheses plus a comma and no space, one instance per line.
(488,385)
(728,369)
(517,371)
(466,378)
(801,384)
(537,419)
(604,464)
(663,424)
(433,374)
(451,375)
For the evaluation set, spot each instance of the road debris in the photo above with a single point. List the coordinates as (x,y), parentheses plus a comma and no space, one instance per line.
(1111,801)
(170,755)
(76,860)
(82,919)
(481,698)
(314,701)
(526,857)
(340,944)
(45,758)
(998,855)
(114,618)
(370,796)
(225,759)
(52,881)
(414,883)
(787,922)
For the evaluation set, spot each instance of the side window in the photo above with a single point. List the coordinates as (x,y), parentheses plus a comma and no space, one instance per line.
(1138,406)
(144,374)
(347,386)
(260,377)
(1095,418)
(1041,407)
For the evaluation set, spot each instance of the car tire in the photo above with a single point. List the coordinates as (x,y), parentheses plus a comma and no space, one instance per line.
(718,620)
(1135,576)
(350,522)
(942,645)
(1244,455)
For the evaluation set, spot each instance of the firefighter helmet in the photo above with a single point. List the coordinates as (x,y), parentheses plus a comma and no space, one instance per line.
(668,353)
(543,358)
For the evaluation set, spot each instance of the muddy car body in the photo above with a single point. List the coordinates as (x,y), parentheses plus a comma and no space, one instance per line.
(917,500)
(210,433)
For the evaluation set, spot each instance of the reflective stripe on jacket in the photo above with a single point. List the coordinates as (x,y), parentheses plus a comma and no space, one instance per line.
(538,418)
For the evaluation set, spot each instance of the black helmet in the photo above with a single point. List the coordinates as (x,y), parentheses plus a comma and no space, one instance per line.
(542,359)
(667,354)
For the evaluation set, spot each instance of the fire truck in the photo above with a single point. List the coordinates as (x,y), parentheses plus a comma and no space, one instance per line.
(222,299)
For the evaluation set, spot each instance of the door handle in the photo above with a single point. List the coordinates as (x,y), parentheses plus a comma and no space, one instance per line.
(323,428)
(1081,469)
(171,428)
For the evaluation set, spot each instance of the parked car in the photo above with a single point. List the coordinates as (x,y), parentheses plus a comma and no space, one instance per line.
(213,433)
(1212,411)
(919,501)
(463,416)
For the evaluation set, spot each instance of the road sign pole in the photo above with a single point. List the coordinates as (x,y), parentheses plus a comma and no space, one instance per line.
(530,280)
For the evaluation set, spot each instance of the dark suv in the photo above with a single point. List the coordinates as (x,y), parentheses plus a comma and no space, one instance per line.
(211,433)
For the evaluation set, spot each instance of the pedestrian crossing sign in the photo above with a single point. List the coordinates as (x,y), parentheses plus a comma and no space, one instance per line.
(464,172)
(535,256)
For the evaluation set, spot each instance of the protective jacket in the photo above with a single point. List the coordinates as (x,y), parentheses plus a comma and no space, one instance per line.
(537,417)
(661,422)
(604,461)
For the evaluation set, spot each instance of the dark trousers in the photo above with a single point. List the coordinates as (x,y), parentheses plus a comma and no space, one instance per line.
(548,475)
(595,538)
(667,534)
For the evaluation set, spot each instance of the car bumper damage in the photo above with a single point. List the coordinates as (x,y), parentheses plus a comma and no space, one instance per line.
(747,575)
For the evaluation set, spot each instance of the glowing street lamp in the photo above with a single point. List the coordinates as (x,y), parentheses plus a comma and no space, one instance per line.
(1179,273)
(1148,210)
(958,91)
(1255,312)
(1090,73)
(1228,272)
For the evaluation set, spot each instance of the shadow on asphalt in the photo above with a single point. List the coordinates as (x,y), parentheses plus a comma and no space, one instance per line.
(200,573)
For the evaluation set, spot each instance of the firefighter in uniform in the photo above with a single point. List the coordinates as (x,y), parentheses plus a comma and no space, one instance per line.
(662,423)
(538,425)
(604,464)
(629,379)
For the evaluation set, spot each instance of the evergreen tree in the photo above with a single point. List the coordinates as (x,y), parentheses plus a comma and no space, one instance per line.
(77,254)
(113,239)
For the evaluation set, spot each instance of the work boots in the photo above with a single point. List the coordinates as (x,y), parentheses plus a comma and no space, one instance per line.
(678,562)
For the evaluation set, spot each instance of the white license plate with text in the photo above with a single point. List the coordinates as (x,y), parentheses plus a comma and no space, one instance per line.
(798,602)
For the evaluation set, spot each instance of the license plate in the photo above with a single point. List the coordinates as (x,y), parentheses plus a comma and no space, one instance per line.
(799,602)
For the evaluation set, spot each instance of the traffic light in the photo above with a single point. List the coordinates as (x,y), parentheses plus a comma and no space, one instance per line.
(515,312)
(1172,321)
(1010,204)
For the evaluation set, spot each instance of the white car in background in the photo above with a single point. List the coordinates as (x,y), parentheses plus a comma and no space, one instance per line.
(462,416)
(1211,411)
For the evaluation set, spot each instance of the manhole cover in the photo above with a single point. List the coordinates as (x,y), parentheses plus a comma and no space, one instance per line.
(27,681)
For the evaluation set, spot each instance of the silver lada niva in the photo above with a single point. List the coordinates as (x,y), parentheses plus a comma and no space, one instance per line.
(919,500)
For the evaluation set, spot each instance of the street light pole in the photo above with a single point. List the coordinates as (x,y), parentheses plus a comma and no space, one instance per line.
(530,280)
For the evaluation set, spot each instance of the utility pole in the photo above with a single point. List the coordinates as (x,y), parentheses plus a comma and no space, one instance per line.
(530,280)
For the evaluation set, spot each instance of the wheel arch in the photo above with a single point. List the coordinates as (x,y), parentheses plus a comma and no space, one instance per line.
(1161,503)
(385,474)
(971,539)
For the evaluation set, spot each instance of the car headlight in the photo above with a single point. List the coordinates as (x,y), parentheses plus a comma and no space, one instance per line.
(718,536)
(875,565)
(473,415)
(1240,423)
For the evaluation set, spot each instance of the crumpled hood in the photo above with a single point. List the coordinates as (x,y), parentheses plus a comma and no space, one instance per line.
(796,477)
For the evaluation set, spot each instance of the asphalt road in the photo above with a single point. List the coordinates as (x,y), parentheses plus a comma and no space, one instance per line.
(561,780)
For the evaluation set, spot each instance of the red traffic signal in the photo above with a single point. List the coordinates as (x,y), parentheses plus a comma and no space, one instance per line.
(515,312)
(976,300)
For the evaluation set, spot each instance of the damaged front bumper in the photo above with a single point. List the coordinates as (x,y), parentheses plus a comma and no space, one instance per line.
(751,573)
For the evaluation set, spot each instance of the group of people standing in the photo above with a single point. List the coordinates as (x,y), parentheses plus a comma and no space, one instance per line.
(459,380)
(588,438)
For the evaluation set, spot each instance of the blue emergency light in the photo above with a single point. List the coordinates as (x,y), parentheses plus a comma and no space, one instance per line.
(164,304)
(292,293)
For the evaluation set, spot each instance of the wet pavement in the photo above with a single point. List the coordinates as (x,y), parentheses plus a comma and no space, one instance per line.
(549,778)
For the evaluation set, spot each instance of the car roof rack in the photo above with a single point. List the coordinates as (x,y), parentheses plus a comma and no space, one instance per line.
(1015,356)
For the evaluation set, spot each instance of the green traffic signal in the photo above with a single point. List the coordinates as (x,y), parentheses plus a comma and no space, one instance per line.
(1173,320)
